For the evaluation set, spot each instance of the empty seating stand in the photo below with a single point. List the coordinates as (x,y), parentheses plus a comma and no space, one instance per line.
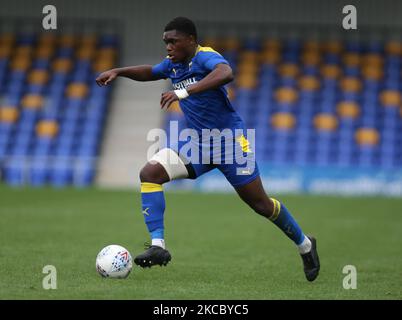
(52,112)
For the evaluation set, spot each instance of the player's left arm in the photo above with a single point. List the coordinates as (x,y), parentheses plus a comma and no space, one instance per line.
(219,76)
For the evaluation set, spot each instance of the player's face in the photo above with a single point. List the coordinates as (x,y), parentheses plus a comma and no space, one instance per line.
(178,45)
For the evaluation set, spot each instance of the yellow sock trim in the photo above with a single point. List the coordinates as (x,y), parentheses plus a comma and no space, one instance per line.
(277,209)
(147,187)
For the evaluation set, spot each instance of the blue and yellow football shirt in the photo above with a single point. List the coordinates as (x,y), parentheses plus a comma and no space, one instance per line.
(210,109)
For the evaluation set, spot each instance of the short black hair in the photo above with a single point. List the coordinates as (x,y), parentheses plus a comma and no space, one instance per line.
(182,24)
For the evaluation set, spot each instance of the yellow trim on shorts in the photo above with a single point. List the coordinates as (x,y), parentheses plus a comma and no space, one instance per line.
(244,144)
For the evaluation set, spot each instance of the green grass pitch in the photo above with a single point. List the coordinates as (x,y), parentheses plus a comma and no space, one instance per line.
(220,248)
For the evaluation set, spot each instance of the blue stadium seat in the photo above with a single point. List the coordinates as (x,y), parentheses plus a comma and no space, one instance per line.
(252,44)
(65,52)
(109,40)
(353,46)
(41,64)
(26,39)
(61,172)
(39,171)
(330,58)
(14,171)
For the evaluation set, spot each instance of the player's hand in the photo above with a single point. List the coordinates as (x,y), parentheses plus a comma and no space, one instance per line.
(167,99)
(105,77)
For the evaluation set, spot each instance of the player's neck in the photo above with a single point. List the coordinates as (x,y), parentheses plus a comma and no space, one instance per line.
(193,53)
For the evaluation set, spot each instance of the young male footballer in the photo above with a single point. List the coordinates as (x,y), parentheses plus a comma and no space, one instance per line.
(199,75)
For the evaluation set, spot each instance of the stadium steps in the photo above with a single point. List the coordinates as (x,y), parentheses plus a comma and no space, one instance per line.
(134,111)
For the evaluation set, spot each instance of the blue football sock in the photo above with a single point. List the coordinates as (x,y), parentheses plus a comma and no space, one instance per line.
(282,218)
(153,208)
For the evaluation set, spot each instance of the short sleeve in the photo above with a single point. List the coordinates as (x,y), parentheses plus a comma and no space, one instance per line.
(209,59)
(161,69)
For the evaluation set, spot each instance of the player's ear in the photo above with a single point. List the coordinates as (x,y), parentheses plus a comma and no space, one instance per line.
(192,39)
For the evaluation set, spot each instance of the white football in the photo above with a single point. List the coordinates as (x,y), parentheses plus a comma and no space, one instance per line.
(114,261)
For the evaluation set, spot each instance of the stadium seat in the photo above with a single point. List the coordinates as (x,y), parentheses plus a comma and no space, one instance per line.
(367,136)
(61,172)
(9,114)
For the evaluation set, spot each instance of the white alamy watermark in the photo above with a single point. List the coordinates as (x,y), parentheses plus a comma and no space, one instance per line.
(50,280)
(49,21)
(210,146)
(350,280)
(349,21)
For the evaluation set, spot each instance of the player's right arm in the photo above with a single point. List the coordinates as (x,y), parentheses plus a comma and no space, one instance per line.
(138,73)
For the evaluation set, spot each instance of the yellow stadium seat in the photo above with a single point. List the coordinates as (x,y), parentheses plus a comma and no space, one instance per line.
(247,81)
(67,40)
(283,120)
(372,72)
(351,59)
(62,65)
(38,77)
(46,45)
(44,52)
(20,64)
(23,52)
(246,68)
(350,84)
(393,47)
(270,56)
(47,128)
(333,47)
(312,45)
(105,60)
(289,70)
(231,44)
(102,65)
(325,122)
(77,90)
(175,107)
(247,73)
(390,98)
(367,136)
(247,62)
(5,51)
(331,71)
(309,83)
(348,109)
(248,56)
(86,52)
(311,58)
(272,45)
(373,59)
(7,39)
(47,38)
(8,114)
(32,101)
(106,53)
(286,95)
(89,40)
